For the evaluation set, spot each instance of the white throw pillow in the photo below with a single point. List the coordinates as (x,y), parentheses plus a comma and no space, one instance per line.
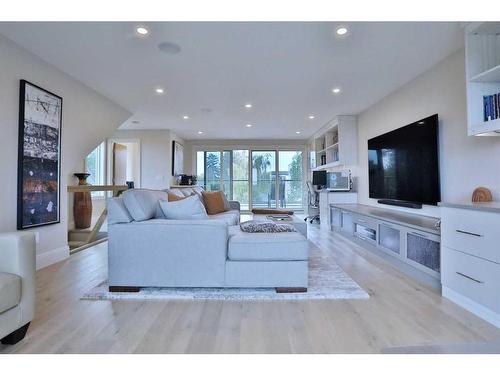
(189,208)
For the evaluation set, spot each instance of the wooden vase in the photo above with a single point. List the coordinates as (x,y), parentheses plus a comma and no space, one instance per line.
(82,204)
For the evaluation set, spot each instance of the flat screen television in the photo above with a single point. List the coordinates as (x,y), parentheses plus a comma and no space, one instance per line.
(403,165)
(319,178)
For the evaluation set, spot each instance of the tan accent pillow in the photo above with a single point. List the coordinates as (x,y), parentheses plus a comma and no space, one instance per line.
(174,197)
(215,202)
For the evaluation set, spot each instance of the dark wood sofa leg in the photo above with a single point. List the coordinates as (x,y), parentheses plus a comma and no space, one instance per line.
(291,290)
(124,289)
(16,336)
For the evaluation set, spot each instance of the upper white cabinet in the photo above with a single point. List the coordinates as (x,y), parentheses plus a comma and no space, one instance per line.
(336,144)
(482,54)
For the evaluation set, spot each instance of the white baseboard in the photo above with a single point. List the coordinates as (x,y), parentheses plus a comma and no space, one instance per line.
(53,256)
(472,306)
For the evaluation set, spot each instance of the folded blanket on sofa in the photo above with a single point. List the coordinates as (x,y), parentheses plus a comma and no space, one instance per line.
(260,226)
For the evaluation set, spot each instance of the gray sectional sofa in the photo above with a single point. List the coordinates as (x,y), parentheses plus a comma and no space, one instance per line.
(147,250)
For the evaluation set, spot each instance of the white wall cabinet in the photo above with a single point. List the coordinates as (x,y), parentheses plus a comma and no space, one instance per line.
(326,198)
(471,260)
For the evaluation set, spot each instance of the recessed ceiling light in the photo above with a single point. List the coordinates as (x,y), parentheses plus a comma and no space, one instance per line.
(311,117)
(421,122)
(341,31)
(159,90)
(248,125)
(141,30)
(336,90)
(200,132)
(297,132)
(185,117)
(248,105)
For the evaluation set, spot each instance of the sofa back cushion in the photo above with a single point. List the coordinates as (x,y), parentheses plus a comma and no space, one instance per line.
(117,212)
(174,197)
(189,208)
(143,204)
(215,202)
(176,192)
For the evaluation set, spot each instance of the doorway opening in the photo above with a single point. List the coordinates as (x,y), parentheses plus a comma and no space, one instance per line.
(124,162)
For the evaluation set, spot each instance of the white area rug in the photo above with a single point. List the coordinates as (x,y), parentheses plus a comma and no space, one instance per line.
(327,281)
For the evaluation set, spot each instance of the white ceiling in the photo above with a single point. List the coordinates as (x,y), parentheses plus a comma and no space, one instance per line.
(285,69)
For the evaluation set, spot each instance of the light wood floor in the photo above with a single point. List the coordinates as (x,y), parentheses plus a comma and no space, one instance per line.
(400,312)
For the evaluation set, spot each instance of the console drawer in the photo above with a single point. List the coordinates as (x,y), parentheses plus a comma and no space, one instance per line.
(471,277)
(473,232)
(366,221)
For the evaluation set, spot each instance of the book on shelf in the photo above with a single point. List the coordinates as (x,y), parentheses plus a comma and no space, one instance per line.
(491,107)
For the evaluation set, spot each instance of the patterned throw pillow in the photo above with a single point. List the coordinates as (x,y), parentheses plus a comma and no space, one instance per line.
(259,226)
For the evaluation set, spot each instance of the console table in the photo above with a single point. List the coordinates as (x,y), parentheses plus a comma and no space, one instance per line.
(410,242)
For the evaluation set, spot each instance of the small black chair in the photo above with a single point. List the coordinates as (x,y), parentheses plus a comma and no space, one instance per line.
(313,203)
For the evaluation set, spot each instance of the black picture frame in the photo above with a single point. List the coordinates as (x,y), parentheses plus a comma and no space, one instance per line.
(39,157)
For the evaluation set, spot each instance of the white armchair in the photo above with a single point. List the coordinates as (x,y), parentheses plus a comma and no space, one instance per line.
(17,285)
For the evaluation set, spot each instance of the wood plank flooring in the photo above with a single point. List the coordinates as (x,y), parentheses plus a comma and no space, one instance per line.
(400,312)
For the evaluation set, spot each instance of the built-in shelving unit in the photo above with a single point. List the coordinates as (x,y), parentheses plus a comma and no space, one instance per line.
(336,143)
(482,53)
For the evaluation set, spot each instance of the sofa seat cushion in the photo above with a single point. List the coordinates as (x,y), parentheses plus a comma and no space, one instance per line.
(10,291)
(267,246)
(231,217)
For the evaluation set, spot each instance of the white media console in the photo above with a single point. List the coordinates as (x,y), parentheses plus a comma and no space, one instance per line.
(409,241)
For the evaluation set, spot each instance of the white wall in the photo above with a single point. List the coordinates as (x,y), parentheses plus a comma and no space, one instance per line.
(88,117)
(465,162)
(156,155)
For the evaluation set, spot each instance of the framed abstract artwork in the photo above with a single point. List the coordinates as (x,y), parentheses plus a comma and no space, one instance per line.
(177,158)
(39,157)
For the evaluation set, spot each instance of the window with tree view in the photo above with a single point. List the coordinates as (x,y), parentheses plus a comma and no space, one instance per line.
(94,165)
(250,177)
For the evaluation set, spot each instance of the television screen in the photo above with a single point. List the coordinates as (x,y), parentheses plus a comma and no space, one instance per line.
(319,178)
(403,164)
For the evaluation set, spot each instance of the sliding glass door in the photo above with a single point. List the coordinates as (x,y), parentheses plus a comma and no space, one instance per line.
(225,170)
(264,179)
(290,179)
(257,179)
(213,174)
(239,186)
